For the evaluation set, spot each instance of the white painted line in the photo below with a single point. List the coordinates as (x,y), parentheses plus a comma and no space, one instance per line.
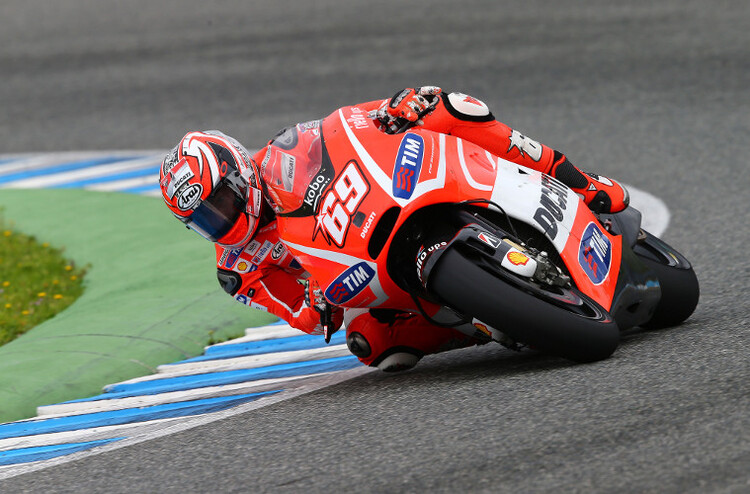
(249,362)
(81,435)
(65,409)
(124,184)
(655,213)
(271,332)
(190,422)
(86,173)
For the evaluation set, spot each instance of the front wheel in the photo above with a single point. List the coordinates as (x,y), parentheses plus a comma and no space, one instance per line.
(679,285)
(568,324)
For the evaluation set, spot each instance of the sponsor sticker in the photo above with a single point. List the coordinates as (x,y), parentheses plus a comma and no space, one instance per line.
(595,254)
(278,251)
(252,247)
(490,240)
(517,258)
(263,252)
(189,197)
(408,165)
(232,257)
(180,175)
(350,283)
(288,162)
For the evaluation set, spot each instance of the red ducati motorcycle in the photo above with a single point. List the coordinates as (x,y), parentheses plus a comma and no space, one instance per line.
(429,223)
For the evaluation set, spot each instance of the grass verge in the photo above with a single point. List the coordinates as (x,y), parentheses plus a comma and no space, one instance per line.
(36,282)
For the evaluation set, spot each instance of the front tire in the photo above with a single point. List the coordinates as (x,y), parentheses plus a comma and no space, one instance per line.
(582,333)
(679,285)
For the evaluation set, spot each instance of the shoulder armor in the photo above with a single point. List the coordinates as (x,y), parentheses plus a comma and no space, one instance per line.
(229,281)
(465,107)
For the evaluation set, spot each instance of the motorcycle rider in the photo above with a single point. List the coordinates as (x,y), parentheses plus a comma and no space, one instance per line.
(210,182)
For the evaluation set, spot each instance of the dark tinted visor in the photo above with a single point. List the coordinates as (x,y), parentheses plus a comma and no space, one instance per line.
(218,213)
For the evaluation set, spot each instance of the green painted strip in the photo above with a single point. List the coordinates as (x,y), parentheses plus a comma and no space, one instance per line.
(151,297)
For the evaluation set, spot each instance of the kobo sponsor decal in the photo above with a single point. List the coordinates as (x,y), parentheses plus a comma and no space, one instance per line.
(408,165)
(595,254)
(350,283)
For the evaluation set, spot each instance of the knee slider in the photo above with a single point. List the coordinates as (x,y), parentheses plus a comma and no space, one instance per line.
(397,359)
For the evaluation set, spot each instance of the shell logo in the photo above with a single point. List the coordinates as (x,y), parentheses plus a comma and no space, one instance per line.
(242,266)
(517,258)
(483,328)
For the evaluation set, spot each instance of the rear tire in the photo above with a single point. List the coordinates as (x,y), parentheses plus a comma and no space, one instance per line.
(585,333)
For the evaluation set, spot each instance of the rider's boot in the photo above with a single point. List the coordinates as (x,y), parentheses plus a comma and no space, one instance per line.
(601,194)
(395,341)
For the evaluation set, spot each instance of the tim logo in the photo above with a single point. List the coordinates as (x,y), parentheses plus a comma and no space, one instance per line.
(595,254)
(408,165)
(350,283)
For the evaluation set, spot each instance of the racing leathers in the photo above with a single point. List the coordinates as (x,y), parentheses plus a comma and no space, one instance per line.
(263,274)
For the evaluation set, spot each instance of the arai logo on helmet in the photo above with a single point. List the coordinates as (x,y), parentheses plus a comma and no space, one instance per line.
(189,197)
(408,165)
(350,283)
(595,254)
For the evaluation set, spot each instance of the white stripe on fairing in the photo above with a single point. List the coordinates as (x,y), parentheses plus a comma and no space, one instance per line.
(337,257)
(95,171)
(467,173)
(186,423)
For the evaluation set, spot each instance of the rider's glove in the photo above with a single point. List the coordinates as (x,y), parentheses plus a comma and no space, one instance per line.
(314,295)
(331,316)
(407,107)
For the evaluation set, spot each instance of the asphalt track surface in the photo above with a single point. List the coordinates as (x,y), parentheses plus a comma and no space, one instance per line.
(652,93)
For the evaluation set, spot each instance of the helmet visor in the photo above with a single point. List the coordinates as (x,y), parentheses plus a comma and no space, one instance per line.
(218,213)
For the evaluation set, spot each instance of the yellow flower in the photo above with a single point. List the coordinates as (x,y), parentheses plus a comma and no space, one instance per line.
(55,282)
(73,278)
(57,296)
(6,283)
(8,306)
(41,294)
(7,233)
(45,244)
(68,268)
(25,312)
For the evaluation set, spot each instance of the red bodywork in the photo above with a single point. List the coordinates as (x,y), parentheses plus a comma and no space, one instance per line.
(327,219)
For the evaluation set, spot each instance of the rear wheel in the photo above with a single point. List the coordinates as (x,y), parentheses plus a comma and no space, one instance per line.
(555,320)
(679,285)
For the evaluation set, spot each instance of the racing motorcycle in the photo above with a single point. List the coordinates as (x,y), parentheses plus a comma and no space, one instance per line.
(429,223)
